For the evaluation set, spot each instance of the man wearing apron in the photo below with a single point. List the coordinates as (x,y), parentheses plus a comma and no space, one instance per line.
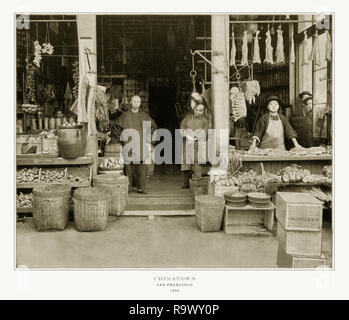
(272,128)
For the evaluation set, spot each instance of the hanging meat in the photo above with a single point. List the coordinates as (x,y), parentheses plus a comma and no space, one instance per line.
(315,51)
(305,49)
(280,55)
(328,47)
(238,104)
(268,49)
(251,89)
(233,51)
(256,53)
(292,53)
(244,59)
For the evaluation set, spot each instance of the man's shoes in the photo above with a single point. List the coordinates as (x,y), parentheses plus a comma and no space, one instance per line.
(185,187)
(143,191)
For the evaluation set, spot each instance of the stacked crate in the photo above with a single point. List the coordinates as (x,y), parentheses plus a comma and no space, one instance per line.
(299,230)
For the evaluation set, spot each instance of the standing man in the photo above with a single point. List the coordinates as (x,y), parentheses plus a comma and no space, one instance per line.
(135,119)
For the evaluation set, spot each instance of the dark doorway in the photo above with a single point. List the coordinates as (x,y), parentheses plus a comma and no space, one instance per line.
(162,109)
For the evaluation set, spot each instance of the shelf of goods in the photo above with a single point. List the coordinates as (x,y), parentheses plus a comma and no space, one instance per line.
(77,172)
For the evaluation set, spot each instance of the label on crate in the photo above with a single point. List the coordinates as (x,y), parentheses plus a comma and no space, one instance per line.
(299,222)
(304,217)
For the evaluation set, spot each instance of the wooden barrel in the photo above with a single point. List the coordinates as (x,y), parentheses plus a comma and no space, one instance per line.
(209,212)
(71,142)
(51,207)
(91,208)
(118,186)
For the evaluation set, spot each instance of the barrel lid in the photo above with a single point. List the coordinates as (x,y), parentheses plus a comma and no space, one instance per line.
(206,199)
(92,193)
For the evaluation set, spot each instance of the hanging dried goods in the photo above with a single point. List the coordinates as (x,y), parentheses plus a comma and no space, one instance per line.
(256,53)
(280,55)
(244,59)
(305,50)
(268,49)
(251,89)
(233,51)
(315,51)
(238,104)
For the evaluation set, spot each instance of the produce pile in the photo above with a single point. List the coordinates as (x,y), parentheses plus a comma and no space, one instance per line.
(327,171)
(238,104)
(225,180)
(27,175)
(293,173)
(52,175)
(314,151)
(112,163)
(72,124)
(311,151)
(24,200)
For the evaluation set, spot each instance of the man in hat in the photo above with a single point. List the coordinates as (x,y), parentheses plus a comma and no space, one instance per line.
(272,128)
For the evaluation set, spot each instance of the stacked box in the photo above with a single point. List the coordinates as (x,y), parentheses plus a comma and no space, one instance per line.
(299,230)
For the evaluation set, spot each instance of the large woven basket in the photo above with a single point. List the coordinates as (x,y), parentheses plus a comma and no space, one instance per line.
(51,207)
(119,190)
(209,212)
(91,208)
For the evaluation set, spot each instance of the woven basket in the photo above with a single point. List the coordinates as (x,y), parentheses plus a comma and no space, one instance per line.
(209,212)
(119,190)
(51,207)
(91,208)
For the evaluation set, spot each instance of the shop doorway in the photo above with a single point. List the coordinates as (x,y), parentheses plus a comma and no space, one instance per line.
(162,100)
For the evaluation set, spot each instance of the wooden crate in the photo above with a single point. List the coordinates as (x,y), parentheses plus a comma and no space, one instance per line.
(285,260)
(298,211)
(248,220)
(304,243)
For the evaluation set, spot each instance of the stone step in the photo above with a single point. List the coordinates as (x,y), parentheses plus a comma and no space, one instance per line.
(159,203)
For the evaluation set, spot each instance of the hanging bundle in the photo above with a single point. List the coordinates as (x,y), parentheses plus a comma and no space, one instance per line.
(268,49)
(292,52)
(280,55)
(315,52)
(328,47)
(305,49)
(256,53)
(238,104)
(244,59)
(233,51)
(251,89)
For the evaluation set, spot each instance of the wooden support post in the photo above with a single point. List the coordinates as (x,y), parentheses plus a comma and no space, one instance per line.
(87,34)
(220,79)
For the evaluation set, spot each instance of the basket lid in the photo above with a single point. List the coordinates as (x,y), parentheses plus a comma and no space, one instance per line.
(110,179)
(52,189)
(235,196)
(206,199)
(259,196)
(93,193)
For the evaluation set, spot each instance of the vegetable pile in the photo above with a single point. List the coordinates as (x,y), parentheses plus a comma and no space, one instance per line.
(24,200)
(293,173)
(52,175)
(27,175)
(225,180)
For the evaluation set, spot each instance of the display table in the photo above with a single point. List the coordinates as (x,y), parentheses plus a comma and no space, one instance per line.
(248,220)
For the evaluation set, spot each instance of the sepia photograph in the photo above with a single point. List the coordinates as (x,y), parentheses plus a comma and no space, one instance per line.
(174,141)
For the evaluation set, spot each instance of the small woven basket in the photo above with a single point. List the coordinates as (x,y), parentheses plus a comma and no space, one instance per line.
(51,207)
(119,191)
(91,208)
(209,212)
